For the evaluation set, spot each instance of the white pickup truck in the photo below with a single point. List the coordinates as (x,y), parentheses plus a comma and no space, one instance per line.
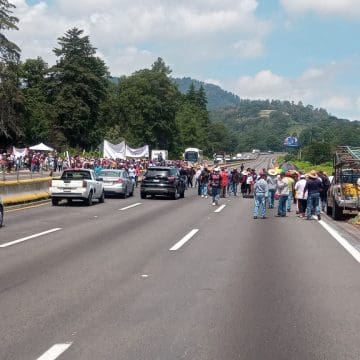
(77,184)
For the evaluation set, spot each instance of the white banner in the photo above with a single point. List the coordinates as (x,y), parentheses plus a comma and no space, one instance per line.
(19,152)
(112,151)
(142,152)
(122,151)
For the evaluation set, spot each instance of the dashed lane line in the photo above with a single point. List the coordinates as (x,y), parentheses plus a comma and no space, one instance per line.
(220,208)
(29,237)
(342,241)
(54,352)
(184,240)
(130,206)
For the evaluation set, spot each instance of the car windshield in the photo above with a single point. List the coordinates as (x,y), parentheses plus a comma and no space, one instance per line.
(75,175)
(110,174)
(157,173)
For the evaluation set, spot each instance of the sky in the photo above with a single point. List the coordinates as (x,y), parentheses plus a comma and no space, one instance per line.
(296,50)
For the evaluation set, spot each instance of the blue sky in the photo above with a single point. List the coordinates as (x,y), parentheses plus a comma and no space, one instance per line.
(297,50)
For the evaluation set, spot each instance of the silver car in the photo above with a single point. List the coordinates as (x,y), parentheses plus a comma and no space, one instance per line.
(117,182)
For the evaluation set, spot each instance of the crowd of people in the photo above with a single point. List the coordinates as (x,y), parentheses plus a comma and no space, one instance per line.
(307,192)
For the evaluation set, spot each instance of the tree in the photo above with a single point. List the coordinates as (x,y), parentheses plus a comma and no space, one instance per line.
(39,113)
(9,52)
(148,102)
(11,102)
(79,87)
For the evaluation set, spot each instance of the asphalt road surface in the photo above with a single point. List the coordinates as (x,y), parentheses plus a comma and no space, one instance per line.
(164,279)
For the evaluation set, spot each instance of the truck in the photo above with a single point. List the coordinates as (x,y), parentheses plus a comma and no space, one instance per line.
(159,155)
(77,184)
(343,196)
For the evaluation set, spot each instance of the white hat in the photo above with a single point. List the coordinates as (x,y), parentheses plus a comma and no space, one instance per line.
(217,169)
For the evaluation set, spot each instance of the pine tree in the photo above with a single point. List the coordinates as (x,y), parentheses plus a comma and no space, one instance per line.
(79,87)
(11,102)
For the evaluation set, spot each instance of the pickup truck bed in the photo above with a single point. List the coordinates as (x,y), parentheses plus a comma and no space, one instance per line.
(79,184)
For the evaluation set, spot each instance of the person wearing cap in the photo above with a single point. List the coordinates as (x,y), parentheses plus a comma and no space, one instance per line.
(271,180)
(313,186)
(301,196)
(215,185)
(282,188)
(261,189)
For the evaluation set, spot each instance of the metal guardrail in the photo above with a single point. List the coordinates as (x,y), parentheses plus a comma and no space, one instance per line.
(21,174)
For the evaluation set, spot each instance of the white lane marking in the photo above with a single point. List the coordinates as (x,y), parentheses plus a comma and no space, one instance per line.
(343,242)
(54,352)
(184,240)
(130,206)
(219,208)
(28,238)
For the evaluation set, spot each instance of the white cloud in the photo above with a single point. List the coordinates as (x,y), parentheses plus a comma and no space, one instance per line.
(194,30)
(313,86)
(249,49)
(349,8)
(336,103)
(214,82)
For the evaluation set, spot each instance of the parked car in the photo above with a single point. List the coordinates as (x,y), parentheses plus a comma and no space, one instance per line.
(163,180)
(117,182)
(1,212)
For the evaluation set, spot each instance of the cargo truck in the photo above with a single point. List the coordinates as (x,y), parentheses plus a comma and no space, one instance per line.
(343,196)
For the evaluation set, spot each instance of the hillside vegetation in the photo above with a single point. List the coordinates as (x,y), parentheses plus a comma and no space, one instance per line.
(264,124)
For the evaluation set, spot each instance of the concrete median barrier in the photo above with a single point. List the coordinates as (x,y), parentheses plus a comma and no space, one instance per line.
(22,191)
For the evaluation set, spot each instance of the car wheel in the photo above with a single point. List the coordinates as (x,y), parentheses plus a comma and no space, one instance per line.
(88,201)
(328,210)
(143,195)
(102,197)
(55,201)
(124,194)
(337,211)
(1,216)
(174,196)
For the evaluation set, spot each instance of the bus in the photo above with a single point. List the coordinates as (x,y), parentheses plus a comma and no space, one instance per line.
(193,155)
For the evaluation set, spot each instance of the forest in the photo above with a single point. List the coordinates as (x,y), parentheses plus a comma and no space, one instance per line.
(75,103)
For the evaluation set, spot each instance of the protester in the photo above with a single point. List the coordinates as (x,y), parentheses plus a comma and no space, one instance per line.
(261,189)
(326,184)
(224,180)
(282,188)
(291,184)
(204,180)
(313,186)
(271,180)
(301,196)
(215,185)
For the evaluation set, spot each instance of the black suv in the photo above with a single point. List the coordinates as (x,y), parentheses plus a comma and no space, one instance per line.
(1,212)
(162,180)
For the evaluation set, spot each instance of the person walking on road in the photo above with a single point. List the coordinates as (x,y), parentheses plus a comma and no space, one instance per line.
(204,180)
(301,196)
(261,190)
(224,181)
(215,185)
(313,186)
(271,180)
(291,184)
(282,188)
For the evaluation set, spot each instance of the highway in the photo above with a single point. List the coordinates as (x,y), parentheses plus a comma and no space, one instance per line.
(176,279)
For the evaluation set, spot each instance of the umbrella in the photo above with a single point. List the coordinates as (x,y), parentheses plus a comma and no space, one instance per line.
(41,147)
(289,166)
